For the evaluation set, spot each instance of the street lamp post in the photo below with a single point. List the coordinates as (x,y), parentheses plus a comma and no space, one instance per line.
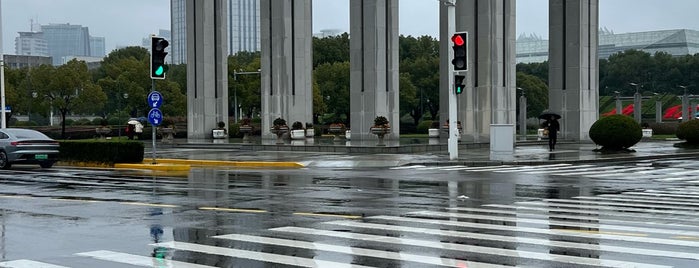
(636,103)
(126,96)
(522,114)
(617,94)
(685,104)
(658,108)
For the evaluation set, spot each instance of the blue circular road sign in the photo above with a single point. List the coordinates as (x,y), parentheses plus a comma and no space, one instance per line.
(155,116)
(155,99)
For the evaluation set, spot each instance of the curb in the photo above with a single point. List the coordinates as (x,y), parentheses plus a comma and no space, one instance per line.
(219,163)
(547,162)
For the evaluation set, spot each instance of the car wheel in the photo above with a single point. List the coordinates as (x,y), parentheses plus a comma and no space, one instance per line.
(46,164)
(4,163)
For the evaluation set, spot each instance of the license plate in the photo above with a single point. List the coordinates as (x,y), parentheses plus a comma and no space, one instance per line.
(41,156)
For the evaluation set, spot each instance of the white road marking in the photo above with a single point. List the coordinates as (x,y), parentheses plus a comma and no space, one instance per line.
(255,255)
(137,260)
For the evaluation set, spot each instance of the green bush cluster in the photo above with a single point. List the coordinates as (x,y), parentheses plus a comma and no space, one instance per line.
(689,131)
(616,132)
(423,127)
(101,151)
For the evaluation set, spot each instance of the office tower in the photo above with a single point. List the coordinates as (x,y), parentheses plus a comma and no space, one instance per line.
(243,26)
(31,43)
(66,40)
(97,46)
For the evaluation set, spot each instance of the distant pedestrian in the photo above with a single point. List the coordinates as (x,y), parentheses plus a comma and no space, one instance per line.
(138,128)
(553,127)
(130,131)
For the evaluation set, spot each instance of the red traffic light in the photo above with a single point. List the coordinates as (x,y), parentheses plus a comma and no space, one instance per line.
(458,40)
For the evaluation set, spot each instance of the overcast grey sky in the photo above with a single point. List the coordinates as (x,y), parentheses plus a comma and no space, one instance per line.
(126,22)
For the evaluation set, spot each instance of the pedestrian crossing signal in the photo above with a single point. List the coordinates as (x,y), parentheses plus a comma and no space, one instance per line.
(459,83)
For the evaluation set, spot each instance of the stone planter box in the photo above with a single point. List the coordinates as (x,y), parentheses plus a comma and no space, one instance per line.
(433,133)
(298,134)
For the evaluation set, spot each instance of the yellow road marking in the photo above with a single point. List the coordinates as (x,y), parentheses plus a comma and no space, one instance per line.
(77,200)
(148,204)
(685,237)
(327,215)
(233,209)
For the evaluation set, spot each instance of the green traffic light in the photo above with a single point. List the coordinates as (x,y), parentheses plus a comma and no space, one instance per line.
(160,70)
(459,90)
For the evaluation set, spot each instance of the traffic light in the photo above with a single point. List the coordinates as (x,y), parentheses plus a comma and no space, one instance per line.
(460,60)
(158,68)
(459,83)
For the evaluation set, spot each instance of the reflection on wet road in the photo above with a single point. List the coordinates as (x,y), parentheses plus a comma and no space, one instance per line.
(585,215)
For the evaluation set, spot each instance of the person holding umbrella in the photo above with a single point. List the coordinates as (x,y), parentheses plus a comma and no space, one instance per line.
(551,124)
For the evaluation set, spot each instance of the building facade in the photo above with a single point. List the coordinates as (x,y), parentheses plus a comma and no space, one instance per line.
(677,42)
(25,61)
(31,43)
(243,25)
(66,40)
(97,47)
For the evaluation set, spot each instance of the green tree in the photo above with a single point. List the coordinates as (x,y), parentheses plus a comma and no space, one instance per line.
(331,49)
(334,80)
(69,88)
(536,91)
(245,87)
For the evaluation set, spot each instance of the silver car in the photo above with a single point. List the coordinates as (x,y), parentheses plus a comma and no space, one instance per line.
(26,146)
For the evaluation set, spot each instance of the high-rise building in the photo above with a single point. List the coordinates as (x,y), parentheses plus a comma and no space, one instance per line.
(178,28)
(66,40)
(97,46)
(243,25)
(31,43)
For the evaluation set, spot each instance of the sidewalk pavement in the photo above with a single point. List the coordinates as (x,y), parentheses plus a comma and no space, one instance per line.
(525,153)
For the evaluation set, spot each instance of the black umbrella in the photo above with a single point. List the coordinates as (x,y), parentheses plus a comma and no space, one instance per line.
(547,115)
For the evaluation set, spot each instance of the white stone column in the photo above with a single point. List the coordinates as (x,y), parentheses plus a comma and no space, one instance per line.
(574,65)
(373,66)
(207,67)
(286,62)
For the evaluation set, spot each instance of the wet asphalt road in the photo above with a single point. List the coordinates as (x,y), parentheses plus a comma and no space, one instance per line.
(639,214)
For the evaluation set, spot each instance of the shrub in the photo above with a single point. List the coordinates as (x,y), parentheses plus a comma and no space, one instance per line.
(279,122)
(616,132)
(380,121)
(689,131)
(297,125)
(423,126)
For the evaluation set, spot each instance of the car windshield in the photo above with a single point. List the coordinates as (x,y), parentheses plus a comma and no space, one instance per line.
(27,134)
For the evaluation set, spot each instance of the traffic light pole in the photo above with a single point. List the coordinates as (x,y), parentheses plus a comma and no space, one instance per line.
(152,81)
(453,141)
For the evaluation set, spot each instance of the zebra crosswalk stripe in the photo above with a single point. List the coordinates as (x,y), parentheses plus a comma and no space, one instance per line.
(637,200)
(137,260)
(608,208)
(480,236)
(254,255)
(620,204)
(641,238)
(571,217)
(590,211)
(597,225)
(491,251)
(402,256)
(28,264)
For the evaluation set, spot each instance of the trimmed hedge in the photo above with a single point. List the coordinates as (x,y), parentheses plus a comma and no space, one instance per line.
(103,151)
(616,132)
(689,131)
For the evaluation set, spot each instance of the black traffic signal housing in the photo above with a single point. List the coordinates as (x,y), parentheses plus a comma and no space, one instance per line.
(459,84)
(459,41)
(158,68)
